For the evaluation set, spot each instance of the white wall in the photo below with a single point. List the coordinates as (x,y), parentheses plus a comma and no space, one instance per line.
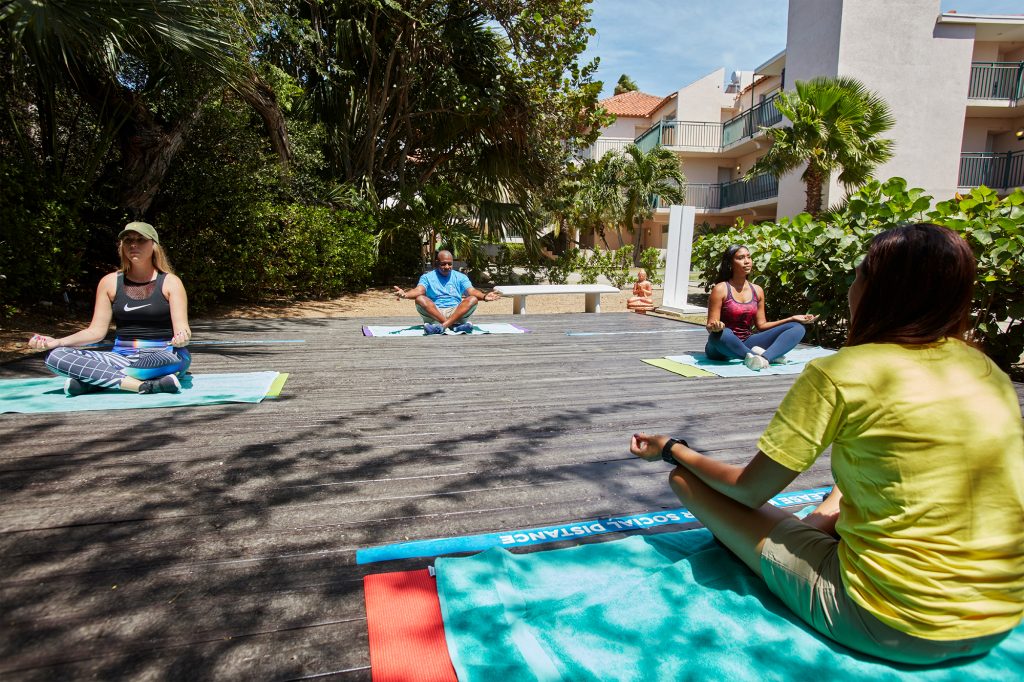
(976,135)
(923,77)
(624,126)
(702,170)
(985,52)
(920,68)
(702,99)
(812,50)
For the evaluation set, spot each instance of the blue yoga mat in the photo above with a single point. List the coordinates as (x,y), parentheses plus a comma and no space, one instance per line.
(673,606)
(46,394)
(796,360)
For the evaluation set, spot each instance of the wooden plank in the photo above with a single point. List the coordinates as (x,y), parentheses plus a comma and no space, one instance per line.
(220,541)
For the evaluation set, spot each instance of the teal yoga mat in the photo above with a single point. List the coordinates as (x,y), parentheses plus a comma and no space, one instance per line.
(797,359)
(673,606)
(46,394)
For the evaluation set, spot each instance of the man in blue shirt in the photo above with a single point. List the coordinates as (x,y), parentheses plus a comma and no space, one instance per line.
(445,298)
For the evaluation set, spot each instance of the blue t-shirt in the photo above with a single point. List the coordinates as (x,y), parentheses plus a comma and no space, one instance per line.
(445,292)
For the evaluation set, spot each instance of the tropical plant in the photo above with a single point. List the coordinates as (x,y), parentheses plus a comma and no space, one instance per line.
(807,264)
(597,203)
(652,262)
(643,177)
(835,127)
(144,69)
(625,84)
(994,228)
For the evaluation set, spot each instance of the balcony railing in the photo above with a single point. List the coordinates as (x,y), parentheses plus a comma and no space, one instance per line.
(761,187)
(712,136)
(603,145)
(750,121)
(996,80)
(716,196)
(695,134)
(998,171)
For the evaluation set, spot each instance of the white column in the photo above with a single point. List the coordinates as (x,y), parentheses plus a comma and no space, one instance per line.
(677,261)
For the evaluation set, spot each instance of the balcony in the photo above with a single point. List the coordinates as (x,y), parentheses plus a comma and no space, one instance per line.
(714,197)
(997,80)
(603,145)
(997,171)
(692,134)
(712,137)
(747,124)
(761,187)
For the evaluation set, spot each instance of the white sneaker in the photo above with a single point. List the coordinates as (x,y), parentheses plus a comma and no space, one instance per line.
(757,350)
(781,360)
(755,362)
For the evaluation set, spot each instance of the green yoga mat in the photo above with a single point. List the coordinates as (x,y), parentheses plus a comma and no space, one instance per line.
(679,368)
(41,395)
(673,606)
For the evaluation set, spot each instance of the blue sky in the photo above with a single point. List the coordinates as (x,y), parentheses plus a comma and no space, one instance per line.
(665,44)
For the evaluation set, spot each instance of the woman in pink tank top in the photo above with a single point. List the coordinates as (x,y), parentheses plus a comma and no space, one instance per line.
(736,310)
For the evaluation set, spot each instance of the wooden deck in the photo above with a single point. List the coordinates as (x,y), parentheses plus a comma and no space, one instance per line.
(219,542)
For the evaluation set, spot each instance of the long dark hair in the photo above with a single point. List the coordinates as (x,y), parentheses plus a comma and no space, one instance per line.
(725,265)
(918,286)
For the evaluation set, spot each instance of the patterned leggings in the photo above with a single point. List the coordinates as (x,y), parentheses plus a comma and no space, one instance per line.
(140,360)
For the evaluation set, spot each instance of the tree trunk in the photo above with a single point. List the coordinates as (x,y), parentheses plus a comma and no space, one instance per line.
(813,181)
(638,243)
(147,150)
(259,95)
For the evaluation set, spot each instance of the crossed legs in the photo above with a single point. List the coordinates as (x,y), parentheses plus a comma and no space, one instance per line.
(428,309)
(777,341)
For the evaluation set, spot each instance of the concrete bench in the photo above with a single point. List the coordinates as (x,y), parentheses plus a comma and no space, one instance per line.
(519,292)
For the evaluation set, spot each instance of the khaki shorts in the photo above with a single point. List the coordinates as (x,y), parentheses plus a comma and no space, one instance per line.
(447,312)
(800,564)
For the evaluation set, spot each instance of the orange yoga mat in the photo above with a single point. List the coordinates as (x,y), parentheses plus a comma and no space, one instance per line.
(403,617)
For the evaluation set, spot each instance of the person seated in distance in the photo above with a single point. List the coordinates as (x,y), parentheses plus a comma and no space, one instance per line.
(147,301)
(736,308)
(445,298)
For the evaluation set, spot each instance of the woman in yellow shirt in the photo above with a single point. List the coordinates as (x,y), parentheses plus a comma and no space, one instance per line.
(920,558)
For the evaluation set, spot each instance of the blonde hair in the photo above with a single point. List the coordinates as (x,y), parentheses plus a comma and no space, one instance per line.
(160,260)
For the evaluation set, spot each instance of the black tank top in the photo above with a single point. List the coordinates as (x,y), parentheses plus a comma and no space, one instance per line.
(141,311)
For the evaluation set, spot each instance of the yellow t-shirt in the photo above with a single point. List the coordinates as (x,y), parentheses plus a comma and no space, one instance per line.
(928,450)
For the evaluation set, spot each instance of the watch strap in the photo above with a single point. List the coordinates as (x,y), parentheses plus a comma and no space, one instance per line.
(666,451)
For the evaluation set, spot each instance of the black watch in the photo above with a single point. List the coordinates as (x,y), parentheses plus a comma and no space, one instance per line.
(666,452)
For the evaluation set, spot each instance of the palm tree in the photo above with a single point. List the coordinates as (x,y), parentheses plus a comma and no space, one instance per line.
(643,178)
(144,68)
(836,126)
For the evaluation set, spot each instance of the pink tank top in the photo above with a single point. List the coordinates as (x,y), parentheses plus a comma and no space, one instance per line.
(739,317)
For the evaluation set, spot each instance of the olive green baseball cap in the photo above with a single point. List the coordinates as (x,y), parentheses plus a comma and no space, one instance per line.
(145,229)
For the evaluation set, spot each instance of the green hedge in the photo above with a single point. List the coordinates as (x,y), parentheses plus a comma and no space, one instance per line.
(269,250)
(807,265)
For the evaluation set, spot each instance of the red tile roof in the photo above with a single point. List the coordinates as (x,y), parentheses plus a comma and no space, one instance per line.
(633,103)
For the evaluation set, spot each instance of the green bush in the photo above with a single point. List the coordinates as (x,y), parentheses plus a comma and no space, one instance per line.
(591,267)
(995,230)
(806,265)
(42,242)
(617,266)
(652,262)
(568,262)
(512,257)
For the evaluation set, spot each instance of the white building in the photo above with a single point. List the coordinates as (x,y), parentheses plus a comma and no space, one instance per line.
(954,83)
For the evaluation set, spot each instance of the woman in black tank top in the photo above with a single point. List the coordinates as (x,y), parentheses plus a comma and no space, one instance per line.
(148,303)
